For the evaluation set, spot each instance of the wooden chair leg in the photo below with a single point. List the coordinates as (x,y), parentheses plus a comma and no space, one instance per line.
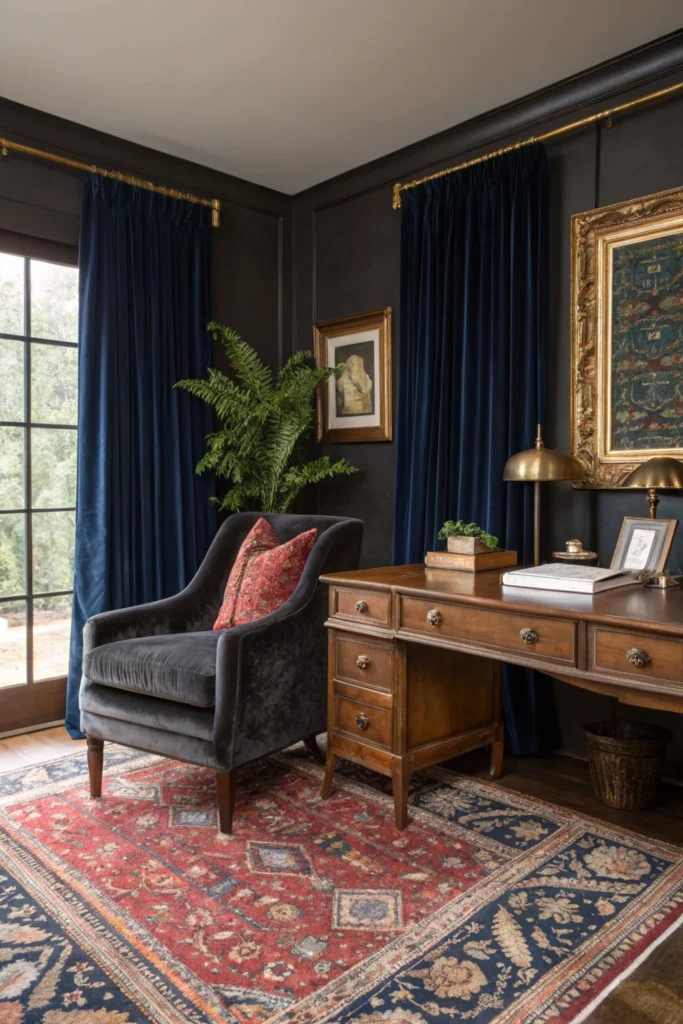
(311,744)
(330,769)
(95,764)
(226,790)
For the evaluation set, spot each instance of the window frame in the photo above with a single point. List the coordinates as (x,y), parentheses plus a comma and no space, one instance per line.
(67,256)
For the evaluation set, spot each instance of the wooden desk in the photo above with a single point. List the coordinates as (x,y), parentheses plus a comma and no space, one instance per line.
(414,660)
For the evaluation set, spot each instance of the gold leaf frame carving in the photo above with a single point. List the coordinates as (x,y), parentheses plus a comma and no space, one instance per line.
(589,278)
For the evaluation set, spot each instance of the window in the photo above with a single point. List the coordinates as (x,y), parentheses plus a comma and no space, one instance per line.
(38,412)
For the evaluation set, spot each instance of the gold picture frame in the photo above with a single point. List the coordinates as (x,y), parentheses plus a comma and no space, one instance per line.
(356,404)
(625,326)
(644,545)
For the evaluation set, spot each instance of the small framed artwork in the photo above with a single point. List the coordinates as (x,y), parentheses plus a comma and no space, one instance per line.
(644,545)
(355,404)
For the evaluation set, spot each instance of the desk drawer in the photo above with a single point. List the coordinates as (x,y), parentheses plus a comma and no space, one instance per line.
(639,655)
(543,638)
(377,698)
(365,722)
(370,606)
(365,662)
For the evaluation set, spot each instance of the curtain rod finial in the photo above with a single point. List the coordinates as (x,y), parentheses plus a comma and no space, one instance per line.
(216,212)
(396,204)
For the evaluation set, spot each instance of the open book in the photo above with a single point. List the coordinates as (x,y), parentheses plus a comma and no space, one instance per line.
(574,579)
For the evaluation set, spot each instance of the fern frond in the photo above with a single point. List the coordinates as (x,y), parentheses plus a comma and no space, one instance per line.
(245,361)
(257,451)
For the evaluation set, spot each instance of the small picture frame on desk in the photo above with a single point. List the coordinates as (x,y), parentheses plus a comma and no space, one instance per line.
(644,545)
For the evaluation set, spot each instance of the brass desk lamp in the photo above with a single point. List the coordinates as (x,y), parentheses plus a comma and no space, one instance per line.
(659,474)
(663,473)
(536,465)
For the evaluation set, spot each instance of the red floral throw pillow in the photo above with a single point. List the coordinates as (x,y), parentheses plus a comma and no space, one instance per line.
(264,575)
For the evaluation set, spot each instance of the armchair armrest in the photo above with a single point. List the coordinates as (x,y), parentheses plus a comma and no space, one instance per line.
(182,613)
(271,681)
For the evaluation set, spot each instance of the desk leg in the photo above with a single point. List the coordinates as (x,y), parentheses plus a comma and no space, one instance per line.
(330,768)
(497,747)
(400,778)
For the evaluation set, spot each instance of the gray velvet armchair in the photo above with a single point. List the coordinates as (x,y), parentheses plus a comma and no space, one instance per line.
(159,678)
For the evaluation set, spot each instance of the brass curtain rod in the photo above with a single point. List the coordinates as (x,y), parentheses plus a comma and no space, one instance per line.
(129,179)
(564,130)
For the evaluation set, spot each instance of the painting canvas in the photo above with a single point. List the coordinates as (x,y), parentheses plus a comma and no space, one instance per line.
(355,404)
(627,336)
(355,388)
(647,345)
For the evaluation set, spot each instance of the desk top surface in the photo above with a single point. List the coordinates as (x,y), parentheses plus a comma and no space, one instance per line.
(631,607)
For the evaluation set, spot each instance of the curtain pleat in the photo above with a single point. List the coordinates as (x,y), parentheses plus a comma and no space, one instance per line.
(472,371)
(143,519)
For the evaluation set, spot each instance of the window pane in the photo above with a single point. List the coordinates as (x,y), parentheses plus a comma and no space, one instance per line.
(54,384)
(53,551)
(12,643)
(11,380)
(53,467)
(12,555)
(54,301)
(51,635)
(12,467)
(11,294)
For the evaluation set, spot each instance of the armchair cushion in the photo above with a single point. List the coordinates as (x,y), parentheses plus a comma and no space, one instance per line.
(179,667)
(265,574)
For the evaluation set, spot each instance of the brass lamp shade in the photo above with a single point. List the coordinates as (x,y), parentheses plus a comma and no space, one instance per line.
(662,473)
(543,464)
(539,464)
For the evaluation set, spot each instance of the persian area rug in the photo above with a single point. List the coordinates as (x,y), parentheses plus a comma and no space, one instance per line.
(490,907)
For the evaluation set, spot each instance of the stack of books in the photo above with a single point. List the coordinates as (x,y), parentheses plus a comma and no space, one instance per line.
(478,561)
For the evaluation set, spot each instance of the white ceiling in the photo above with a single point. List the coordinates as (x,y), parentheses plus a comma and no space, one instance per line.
(288,93)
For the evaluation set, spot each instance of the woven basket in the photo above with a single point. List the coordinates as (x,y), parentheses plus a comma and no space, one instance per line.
(626,761)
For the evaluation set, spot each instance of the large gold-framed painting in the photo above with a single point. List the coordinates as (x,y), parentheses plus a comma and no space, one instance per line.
(627,335)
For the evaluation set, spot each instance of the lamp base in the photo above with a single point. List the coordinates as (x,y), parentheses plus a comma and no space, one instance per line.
(661,581)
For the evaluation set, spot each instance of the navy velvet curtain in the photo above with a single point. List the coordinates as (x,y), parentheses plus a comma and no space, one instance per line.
(474,328)
(143,519)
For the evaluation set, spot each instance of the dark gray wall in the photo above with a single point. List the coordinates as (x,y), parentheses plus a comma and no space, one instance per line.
(346,260)
(252,246)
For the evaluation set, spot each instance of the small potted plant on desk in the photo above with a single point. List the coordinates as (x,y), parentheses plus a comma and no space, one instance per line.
(470,549)
(467,538)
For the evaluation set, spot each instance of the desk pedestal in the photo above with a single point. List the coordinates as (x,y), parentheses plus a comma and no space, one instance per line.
(398,707)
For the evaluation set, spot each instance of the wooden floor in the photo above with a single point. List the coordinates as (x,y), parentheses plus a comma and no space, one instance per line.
(566,781)
(557,779)
(34,747)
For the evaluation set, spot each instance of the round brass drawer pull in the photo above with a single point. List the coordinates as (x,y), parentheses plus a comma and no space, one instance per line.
(361,606)
(434,617)
(529,636)
(363,661)
(362,721)
(638,657)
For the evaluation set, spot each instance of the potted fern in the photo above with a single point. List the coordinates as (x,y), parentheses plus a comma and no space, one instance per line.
(262,420)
